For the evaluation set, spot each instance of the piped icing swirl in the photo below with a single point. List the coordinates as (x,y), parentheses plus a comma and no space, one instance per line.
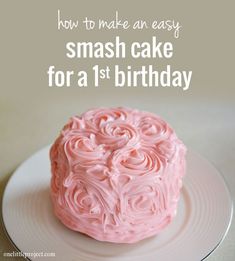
(117,174)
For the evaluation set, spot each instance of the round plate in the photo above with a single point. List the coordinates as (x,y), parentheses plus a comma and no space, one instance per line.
(203,218)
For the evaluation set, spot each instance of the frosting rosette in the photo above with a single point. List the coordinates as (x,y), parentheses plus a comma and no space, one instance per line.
(117,174)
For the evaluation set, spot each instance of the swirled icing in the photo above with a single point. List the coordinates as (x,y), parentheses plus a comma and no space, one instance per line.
(117,174)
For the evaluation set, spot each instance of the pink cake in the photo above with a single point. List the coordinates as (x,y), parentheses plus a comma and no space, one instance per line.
(117,174)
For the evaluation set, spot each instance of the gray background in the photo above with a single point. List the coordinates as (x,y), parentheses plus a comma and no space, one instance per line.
(31,113)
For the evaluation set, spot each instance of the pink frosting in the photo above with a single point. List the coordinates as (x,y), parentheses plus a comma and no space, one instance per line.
(117,174)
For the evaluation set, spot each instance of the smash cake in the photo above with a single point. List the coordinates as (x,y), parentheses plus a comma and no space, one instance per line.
(117,174)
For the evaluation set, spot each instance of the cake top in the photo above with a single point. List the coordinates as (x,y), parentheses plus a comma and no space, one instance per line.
(104,129)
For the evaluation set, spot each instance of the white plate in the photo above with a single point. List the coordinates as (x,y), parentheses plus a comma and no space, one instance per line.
(203,219)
